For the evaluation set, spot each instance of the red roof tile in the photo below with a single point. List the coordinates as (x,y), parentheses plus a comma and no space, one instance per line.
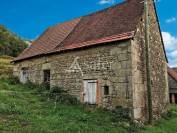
(175,69)
(49,39)
(172,73)
(112,24)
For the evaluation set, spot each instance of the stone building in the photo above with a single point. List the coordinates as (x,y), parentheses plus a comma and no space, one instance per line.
(172,80)
(100,59)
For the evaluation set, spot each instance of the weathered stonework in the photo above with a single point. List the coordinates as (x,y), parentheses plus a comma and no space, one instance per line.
(120,65)
(158,68)
(109,64)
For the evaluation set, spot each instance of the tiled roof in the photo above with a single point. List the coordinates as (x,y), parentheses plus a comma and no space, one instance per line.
(172,73)
(49,40)
(175,69)
(112,24)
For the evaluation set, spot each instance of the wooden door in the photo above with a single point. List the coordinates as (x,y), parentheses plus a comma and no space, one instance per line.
(24,75)
(90,90)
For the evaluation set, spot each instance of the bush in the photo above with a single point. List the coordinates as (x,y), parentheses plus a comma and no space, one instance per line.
(13,80)
(57,90)
(135,127)
(169,114)
(38,87)
(119,114)
(62,96)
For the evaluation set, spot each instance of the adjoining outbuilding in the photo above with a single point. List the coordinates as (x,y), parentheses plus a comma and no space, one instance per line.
(172,80)
(100,59)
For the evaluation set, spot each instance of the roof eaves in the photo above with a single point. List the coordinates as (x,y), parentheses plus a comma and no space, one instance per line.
(119,37)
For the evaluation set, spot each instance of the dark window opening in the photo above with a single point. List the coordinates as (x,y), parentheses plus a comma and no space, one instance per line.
(127,94)
(106,90)
(47,77)
(25,71)
(173,98)
(170,98)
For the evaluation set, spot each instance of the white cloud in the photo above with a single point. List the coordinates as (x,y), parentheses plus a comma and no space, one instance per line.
(173,62)
(170,42)
(103,2)
(171,20)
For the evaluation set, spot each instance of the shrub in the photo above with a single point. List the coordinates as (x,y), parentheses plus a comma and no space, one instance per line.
(120,114)
(38,87)
(135,127)
(169,114)
(13,80)
(57,90)
(62,96)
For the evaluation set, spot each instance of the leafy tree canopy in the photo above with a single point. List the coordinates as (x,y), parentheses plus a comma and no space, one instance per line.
(10,44)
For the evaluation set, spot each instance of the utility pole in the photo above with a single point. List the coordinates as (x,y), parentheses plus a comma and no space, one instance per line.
(149,89)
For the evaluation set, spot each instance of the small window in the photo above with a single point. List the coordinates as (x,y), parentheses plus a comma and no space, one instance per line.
(106,90)
(127,94)
(47,77)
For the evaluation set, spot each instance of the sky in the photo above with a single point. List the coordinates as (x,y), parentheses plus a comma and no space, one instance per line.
(29,18)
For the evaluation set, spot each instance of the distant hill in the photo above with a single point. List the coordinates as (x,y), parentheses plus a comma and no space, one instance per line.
(10,44)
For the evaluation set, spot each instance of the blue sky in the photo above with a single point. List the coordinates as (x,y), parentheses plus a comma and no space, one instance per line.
(29,18)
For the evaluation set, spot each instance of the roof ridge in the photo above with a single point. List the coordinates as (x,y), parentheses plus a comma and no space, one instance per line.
(81,17)
(94,12)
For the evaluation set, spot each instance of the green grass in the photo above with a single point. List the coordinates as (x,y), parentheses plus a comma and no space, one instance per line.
(32,113)
(22,112)
(167,124)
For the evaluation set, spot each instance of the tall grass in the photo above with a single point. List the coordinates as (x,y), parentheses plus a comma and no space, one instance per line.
(24,109)
(6,68)
(27,111)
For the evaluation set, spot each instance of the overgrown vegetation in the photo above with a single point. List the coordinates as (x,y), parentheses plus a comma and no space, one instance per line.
(62,96)
(10,44)
(34,108)
(5,66)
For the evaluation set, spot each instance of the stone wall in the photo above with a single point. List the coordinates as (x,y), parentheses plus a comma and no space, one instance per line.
(109,64)
(160,92)
(158,67)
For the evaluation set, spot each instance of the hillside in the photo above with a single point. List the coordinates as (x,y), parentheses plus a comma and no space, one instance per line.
(5,66)
(24,109)
(10,44)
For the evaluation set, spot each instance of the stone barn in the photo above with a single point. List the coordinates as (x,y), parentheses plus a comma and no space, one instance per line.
(100,59)
(172,80)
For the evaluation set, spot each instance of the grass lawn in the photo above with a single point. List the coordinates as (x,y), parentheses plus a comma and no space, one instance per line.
(35,113)
(166,124)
